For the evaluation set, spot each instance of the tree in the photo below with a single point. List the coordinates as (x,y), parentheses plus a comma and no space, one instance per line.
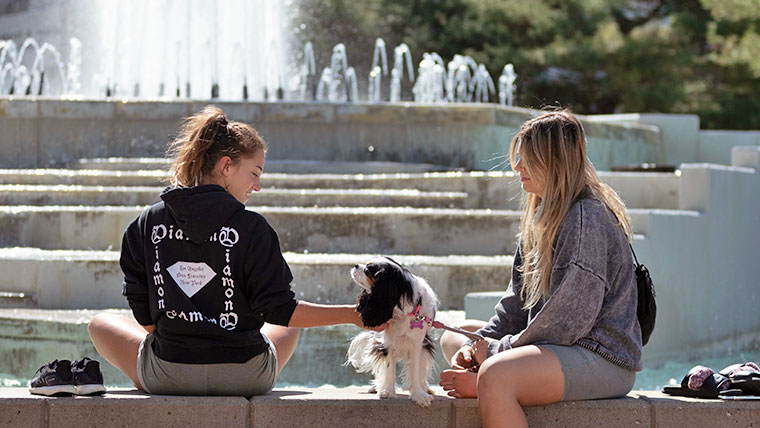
(594,56)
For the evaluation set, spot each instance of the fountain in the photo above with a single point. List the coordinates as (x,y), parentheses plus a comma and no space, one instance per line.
(507,85)
(376,74)
(208,51)
(231,50)
(22,76)
(127,99)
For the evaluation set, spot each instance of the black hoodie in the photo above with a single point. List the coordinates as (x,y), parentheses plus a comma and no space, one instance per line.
(207,273)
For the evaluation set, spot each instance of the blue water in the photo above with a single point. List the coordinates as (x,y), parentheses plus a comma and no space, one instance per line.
(656,375)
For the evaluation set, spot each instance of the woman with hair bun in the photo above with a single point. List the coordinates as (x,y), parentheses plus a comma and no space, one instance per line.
(208,286)
(566,329)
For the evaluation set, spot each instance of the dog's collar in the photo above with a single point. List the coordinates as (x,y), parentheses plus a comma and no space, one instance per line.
(418,320)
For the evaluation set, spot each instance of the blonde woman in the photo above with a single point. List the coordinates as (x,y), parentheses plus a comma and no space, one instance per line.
(566,329)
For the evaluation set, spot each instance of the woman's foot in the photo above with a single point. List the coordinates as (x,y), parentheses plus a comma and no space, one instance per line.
(460,383)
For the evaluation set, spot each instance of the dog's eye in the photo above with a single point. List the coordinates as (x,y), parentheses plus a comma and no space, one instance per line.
(370,270)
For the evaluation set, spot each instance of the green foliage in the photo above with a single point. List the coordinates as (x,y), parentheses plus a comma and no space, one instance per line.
(594,56)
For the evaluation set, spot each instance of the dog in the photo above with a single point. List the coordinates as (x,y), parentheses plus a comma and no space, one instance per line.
(393,294)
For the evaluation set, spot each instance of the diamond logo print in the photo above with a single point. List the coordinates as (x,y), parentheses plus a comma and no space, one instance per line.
(191,277)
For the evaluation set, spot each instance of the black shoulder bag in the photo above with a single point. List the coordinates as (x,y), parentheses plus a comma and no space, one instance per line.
(646,309)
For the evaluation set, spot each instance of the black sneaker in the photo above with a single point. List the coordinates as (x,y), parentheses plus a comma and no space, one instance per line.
(53,378)
(88,378)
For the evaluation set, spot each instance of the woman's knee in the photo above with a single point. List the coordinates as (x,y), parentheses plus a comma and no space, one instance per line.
(494,377)
(450,342)
(98,325)
(529,374)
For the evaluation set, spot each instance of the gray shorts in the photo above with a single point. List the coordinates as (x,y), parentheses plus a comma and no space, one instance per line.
(589,376)
(253,377)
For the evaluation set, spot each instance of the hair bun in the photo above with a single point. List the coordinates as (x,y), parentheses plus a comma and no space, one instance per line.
(219,120)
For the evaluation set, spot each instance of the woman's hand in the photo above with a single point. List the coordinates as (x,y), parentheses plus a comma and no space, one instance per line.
(357,321)
(463,358)
(480,350)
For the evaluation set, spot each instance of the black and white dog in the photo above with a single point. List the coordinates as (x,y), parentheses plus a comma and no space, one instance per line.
(391,293)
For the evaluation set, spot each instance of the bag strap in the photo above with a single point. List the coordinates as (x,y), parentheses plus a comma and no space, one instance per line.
(634,254)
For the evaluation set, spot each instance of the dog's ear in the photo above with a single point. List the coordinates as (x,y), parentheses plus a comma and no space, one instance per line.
(388,290)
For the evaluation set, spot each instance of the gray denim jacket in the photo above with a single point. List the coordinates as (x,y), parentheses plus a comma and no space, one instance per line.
(593,296)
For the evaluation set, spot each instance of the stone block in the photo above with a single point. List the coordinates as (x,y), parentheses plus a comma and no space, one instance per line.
(12,108)
(466,115)
(746,156)
(480,306)
(19,142)
(299,112)
(372,142)
(676,412)
(346,407)
(150,111)
(64,140)
(250,113)
(129,408)
(512,117)
(616,413)
(78,110)
(20,409)
(466,413)
(363,114)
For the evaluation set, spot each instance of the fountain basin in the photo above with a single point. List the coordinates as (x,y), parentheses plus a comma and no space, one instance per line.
(43,132)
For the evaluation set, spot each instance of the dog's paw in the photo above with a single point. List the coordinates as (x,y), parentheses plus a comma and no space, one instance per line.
(423,399)
(386,394)
(372,390)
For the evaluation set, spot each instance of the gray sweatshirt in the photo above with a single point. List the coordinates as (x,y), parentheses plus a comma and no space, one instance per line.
(592,293)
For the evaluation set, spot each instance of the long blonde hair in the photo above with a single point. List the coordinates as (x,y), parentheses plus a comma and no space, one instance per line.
(206,137)
(552,148)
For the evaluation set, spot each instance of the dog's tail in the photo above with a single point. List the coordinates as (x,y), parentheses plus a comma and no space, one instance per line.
(361,352)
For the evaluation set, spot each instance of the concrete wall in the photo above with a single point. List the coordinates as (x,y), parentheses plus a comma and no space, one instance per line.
(715,145)
(47,132)
(704,260)
(681,140)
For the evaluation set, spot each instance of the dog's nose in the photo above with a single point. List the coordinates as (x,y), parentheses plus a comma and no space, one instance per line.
(356,266)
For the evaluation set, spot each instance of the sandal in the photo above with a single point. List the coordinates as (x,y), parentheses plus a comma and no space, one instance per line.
(702,382)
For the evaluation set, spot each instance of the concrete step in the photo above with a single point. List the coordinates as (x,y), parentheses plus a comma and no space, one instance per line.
(89,177)
(92,279)
(9,299)
(318,230)
(425,231)
(272,165)
(353,407)
(497,190)
(15,194)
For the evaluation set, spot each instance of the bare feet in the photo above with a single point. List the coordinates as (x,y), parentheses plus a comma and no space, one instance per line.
(460,383)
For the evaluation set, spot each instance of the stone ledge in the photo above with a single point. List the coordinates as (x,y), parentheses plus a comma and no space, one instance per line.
(353,407)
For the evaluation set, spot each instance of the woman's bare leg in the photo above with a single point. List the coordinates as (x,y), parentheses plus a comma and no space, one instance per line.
(524,376)
(284,339)
(117,339)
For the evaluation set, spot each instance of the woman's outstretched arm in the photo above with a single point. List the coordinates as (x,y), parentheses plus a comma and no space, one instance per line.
(315,315)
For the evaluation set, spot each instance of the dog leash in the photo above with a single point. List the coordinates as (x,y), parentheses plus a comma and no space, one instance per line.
(419,320)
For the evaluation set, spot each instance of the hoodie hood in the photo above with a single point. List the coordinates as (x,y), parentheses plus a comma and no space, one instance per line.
(201,210)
